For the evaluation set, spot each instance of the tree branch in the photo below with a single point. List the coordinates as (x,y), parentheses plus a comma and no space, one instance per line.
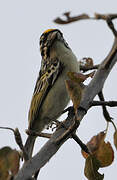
(53,145)
(106,114)
(70,19)
(106,103)
(84,68)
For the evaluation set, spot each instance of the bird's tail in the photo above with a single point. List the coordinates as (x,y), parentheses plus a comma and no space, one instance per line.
(29,145)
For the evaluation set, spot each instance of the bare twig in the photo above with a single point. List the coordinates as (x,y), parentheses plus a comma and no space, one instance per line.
(46,135)
(81,144)
(105,111)
(33,133)
(105,103)
(70,19)
(84,68)
(106,17)
(8,128)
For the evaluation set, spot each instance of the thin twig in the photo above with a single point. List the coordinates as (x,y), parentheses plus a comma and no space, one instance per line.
(107,17)
(81,144)
(104,16)
(105,103)
(34,133)
(8,128)
(45,135)
(84,68)
(105,112)
(70,19)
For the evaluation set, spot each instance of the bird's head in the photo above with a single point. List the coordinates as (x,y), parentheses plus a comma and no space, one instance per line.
(47,38)
(50,34)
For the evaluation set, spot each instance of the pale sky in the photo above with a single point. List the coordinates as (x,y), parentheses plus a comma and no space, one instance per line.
(21,24)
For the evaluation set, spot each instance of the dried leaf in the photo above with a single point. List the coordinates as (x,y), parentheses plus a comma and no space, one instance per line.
(105,154)
(115,139)
(75,87)
(94,143)
(14,161)
(9,162)
(77,77)
(103,151)
(75,92)
(87,62)
(91,169)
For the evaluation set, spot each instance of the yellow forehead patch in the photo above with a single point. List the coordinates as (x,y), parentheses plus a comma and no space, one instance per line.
(48,30)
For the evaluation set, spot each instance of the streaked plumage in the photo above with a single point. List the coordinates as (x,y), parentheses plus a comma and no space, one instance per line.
(50,96)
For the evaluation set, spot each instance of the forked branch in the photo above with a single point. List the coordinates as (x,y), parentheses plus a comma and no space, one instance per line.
(61,134)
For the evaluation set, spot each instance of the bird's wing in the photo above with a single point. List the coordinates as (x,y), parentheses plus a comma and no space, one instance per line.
(47,77)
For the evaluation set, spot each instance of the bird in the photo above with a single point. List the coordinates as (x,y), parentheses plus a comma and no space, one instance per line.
(50,95)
